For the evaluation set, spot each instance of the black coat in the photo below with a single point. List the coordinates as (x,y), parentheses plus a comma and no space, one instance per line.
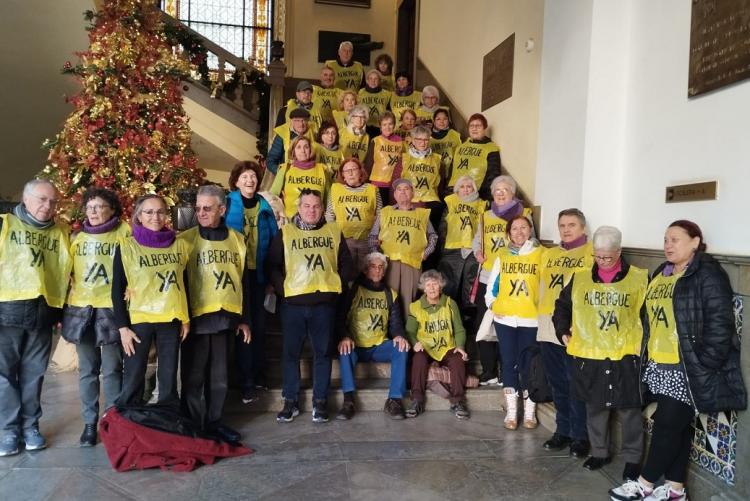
(78,319)
(708,342)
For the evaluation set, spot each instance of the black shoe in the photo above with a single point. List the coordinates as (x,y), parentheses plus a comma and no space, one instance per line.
(289,412)
(594,463)
(394,408)
(88,437)
(556,443)
(488,378)
(580,448)
(460,411)
(320,411)
(631,471)
(226,433)
(347,411)
(249,396)
(415,409)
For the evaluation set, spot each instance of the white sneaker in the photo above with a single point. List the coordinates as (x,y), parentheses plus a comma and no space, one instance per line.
(666,493)
(632,490)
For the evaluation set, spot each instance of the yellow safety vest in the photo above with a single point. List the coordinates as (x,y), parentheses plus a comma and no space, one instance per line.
(404,234)
(311,260)
(285,134)
(352,145)
(156,289)
(376,103)
(354,210)
(401,103)
(435,330)
(663,345)
(330,158)
(341,118)
(385,156)
(214,272)
(387,82)
(367,320)
(493,236)
(518,294)
(296,179)
(558,265)
(346,77)
(316,118)
(606,317)
(92,253)
(34,262)
(250,230)
(424,115)
(462,219)
(424,174)
(446,148)
(470,159)
(325,100)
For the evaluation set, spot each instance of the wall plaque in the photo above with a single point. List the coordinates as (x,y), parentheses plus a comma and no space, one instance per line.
(719,44)
(691,192)
(497,73)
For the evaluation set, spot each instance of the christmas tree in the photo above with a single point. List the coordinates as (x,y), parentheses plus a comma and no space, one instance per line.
(129,132)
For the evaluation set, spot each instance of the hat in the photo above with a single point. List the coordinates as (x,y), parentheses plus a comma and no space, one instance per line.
(304,85)
(299,113)
(401,181)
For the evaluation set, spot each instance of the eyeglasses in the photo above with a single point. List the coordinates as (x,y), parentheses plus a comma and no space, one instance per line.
(45,200)
(501,191)
(152,212)
(97,207)
(204,208)
(350,171)
(605,259)
(358,116)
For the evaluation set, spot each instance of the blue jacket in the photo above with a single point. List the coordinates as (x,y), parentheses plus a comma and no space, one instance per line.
(267,227)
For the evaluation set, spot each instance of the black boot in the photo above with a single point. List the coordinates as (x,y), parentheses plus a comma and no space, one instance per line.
(88,437)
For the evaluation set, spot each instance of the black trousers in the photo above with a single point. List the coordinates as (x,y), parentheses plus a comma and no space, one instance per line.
(166,335)
(489,351)
(671,439)
(204,376)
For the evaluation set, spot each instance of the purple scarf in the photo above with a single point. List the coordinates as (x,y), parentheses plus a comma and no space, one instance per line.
(309,164)
(148,238)
(101,228)
(574,244)
(508,211)
(406,91)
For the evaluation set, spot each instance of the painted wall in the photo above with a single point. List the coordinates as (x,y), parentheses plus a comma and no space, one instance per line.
(452,43)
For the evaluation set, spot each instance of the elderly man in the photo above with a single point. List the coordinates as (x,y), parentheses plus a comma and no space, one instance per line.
(326,95)
(219,308)
(303,99)
(348,73)
(297,125)
(35,266)
(309,262)
(372,330)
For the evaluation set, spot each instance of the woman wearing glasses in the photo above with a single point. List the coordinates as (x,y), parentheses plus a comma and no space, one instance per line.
(88,320)
(149,301)
(353,139)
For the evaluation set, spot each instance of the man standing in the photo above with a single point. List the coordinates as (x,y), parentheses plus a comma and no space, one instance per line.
(35,267)
(326,95)
(348,73)
(297,125)
(303,99)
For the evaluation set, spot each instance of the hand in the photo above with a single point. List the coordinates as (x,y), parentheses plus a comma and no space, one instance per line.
(269,289)
(400,343)
(460,351)
(128,337)
(566,339)
(479,255)
(418,347)
(246,335)
(184,329)
(346,346)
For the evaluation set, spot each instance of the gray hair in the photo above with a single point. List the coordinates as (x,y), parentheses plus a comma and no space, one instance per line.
(505,180)
(431,275)
(430,90)
(380,75)
(138,207)
(420,130)
(346,43)
(607,238)
(361,109)
(375,256)
(462,180)
(28,188)
(211,190)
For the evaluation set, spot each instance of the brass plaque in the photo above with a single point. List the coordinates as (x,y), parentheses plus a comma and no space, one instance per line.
(691,192)
(719,44)
(497,73)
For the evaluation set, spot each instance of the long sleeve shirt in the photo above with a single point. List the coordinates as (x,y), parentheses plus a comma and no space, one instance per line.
(459,333)
(374,238)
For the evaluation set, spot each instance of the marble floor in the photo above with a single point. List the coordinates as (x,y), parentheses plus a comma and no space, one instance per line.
(371,457)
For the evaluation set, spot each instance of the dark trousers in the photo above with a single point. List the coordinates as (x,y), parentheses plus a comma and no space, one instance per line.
(489,351)
(297,324)
(570,413)
(251,358)
(204,376)
(671,439)
(93,361)
(385,195)
(459,275)
(513,340)
(166,335)
(24,355)
(436,212)
(597,422)
(420,366)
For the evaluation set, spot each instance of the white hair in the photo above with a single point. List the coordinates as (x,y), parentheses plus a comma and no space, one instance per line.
(346,43)
(430,90)
(462,180)
(607,238)
(28,188)
(420,130)
(380,75)
(361,109)
(431,275)
(504,180)
(375,256)
(211,190)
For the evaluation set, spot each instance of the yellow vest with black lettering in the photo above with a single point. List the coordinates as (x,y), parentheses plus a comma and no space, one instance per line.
(435,330)
(316,116)
(285,134)
(518,294)
(424,174)
(311,260)
(404,234)
(367,321)
(401,103)
(376,103)
(462,219)
(494,238)
(354,210)
(663,347)
(606,317)
(325,100)
(470,159)
(34,262)
(558,265)
(156,290)
(341,118)
(250,230)
(330,158)
(346,77)
(296,179)
(352,145)
(385,156)
(214,272)
(91,284)
(446,148)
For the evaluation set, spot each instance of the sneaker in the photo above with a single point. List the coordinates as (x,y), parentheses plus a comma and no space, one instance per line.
(347,411)
(34,439)
(631,471)
(460,411)
(289,412)
(487,379)
(415,409)
(556,443)
(666,493)
(9,444)
(88,437)
(249,396)
(320,411)
(632,490)
(394,408)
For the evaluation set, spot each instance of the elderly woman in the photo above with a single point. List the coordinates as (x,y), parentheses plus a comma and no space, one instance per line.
(430,103)
(327,149)
(408,119)
(513,295)
(376,99)
(88,320)
(347,101)
(489,240)
(477,157)
(149,301)
(444,140)
(384,64)
(250,214)
(383,160)
(404,96)
(353,139)
(692,360)
(300,172)
(598,318)
(354,205)
(422,167)
(436,333)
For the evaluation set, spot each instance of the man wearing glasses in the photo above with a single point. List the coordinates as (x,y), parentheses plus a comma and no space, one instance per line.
(35,265)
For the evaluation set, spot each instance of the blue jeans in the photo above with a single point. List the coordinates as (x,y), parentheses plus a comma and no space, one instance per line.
(384,352)
(570,413)
(298,323)
(513,340)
